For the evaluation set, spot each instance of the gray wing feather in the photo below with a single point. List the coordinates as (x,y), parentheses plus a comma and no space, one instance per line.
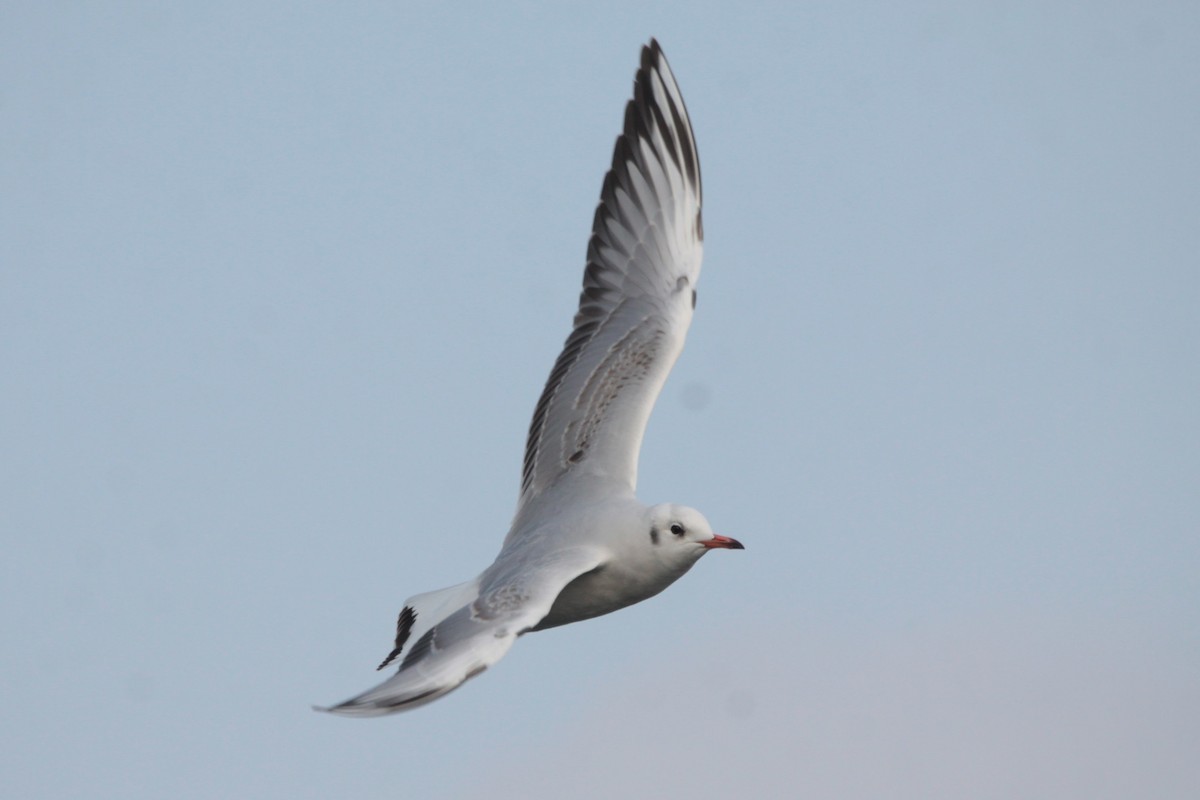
(637,299)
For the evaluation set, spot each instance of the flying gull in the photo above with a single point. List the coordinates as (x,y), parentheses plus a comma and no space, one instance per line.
(581,544)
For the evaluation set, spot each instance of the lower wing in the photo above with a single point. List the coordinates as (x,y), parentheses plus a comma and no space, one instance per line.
(474,637)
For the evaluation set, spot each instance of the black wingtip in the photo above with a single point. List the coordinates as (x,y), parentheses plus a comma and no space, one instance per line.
(654,60)
(404,624)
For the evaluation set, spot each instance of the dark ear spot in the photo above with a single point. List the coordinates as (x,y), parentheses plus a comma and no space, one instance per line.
(653,535)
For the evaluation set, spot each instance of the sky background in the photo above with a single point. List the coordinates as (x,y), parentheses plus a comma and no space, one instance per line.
(280,285)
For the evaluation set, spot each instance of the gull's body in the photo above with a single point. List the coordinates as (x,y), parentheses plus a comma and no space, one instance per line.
(581,544)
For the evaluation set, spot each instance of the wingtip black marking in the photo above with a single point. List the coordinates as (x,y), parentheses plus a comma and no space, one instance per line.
(651,53)
(404,624)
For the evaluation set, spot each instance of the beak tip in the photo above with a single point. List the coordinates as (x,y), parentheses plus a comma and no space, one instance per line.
(723,542)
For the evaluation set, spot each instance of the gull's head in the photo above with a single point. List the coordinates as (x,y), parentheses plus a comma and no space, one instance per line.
(679,533)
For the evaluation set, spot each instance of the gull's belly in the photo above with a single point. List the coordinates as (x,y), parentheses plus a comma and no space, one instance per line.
(602,591)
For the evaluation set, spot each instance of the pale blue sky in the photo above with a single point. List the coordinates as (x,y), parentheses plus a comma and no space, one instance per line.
(279,286)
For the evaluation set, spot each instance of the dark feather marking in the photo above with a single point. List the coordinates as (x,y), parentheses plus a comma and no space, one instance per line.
(406,700)
(653,535)
(419,650)
(627,362)
(691,163)
(670,137)
(684,140)
(404,626)
(583,332)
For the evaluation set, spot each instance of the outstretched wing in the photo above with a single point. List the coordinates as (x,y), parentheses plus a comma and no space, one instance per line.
(514,596)
(638,295)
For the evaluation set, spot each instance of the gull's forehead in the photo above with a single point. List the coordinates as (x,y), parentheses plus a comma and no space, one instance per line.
(688,516)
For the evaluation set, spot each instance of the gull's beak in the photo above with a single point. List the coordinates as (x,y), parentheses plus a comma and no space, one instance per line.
(723,542)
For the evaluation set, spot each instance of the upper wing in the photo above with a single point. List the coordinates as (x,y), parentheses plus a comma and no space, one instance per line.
(515,595)
(638,294)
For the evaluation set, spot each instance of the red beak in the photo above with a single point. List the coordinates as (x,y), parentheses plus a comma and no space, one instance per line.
(723,542)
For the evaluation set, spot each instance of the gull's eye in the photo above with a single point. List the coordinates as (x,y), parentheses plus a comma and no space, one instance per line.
(677,529)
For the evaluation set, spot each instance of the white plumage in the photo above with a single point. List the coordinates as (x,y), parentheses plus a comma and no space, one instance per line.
(581,544)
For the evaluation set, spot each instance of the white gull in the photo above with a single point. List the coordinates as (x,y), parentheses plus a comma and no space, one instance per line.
(581,544)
